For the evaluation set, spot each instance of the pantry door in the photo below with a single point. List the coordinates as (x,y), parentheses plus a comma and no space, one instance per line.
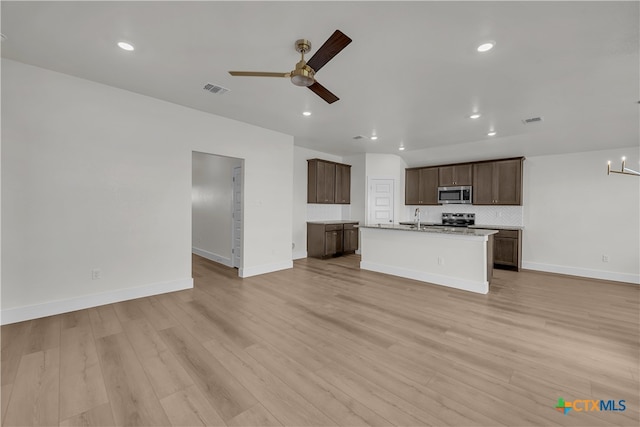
(381,201)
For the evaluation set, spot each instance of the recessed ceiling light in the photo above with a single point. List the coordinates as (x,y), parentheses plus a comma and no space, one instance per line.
(475,116)
(306,113)
(373,138)
(484,47)
(126,46)
(401,148)
(492,133)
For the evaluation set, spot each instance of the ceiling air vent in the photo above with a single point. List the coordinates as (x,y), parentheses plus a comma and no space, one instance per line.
(218,90)
(532,120)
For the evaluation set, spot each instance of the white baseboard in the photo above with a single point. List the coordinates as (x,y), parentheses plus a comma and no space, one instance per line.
(19,314)
(213,257)
(451,282)
(299,254)
(583,272)
(263,269)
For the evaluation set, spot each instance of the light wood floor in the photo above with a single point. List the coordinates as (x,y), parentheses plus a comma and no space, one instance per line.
(327,344)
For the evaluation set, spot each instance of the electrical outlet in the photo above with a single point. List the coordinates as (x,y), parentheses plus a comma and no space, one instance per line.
(605,258)
(440,260)
(96,274)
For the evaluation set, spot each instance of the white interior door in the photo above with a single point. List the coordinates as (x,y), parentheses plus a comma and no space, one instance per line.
(381,201)
(237,217)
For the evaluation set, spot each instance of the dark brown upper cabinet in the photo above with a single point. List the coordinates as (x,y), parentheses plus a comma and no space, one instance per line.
(421,186)
(343,184)
(495,182)
(328,182)
(498,182)
(455,175)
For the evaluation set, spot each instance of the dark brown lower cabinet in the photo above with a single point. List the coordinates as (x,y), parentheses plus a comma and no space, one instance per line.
(507,249)
(332,242)
(350,238)
(331,239)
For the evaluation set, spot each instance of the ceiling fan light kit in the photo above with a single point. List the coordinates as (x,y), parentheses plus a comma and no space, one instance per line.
(304,72)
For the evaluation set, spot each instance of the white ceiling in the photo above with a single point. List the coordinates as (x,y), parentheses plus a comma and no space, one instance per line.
(412,74)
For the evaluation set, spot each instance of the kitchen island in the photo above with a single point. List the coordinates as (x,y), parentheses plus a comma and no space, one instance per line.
(460,258)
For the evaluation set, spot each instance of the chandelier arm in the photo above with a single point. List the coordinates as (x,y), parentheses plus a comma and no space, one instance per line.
(623,170)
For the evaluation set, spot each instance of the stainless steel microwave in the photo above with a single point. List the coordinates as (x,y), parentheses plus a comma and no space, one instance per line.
(449,195)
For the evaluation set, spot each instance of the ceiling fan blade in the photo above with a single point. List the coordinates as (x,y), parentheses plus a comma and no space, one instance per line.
(323,93)
(328,50)
(258,74)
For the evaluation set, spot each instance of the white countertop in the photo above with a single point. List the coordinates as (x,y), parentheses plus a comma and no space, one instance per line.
(487,226)
(333,221)
(460,231)
(498,227)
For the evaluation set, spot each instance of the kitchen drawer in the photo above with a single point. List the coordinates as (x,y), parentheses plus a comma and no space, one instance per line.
(508,234)
(350,226)
(333,227)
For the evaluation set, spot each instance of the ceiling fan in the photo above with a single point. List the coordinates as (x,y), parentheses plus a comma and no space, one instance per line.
(304,73)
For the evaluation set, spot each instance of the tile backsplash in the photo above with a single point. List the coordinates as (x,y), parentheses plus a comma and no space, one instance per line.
(485,215)
(321,212)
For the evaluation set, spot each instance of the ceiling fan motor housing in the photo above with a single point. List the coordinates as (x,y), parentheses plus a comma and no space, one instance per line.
(303,46)
(303,75)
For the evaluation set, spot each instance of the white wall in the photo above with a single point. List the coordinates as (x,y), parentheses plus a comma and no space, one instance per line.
(388,166)
(97,177)
(574,214)
(212,206)
(303,211)
(358,187)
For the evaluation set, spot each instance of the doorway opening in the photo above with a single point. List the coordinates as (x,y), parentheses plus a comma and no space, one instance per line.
(217,208)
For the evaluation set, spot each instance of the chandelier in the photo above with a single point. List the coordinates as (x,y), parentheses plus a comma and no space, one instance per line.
(623,170)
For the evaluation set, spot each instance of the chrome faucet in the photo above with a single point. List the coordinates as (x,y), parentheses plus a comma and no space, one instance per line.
(417,215)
